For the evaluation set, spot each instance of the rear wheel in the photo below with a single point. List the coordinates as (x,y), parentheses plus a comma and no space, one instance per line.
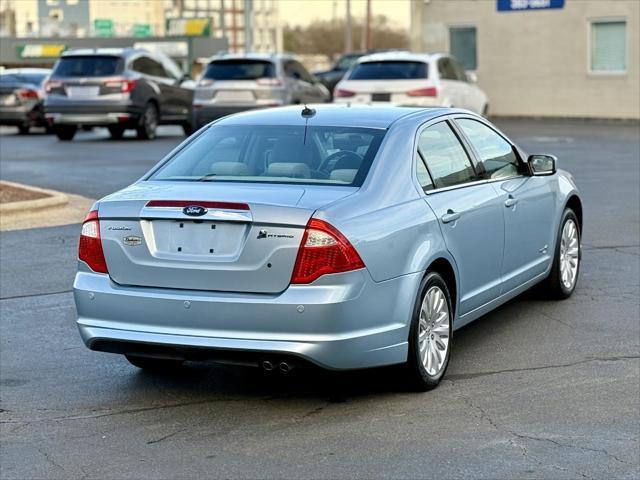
(188,128)
(23,129)
(65,132)
(430,334)
(563,277)
(154,364)
(116,132)
(148,122)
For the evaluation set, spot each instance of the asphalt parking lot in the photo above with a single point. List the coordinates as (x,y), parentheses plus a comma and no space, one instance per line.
(536,389)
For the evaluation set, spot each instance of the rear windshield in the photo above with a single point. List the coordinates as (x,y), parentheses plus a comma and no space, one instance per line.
(89,66)
(389,71)
(240,70)
(276,154)
(31,78)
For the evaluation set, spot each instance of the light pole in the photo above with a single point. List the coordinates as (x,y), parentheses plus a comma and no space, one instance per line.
(348,40)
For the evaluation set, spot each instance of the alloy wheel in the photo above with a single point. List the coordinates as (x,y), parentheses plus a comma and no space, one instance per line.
(569,254)
(434,330)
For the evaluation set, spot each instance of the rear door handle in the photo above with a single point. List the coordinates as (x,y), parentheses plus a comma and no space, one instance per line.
(450,216)
(510,202)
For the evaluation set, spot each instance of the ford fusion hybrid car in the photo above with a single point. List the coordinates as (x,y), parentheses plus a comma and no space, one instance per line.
(339,236)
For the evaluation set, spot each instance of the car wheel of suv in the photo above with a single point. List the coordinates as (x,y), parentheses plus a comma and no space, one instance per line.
(148,123)
(65,132)
(430,334)
(154,364)
(24,129)
(563,277)
(187,128)
(116,132)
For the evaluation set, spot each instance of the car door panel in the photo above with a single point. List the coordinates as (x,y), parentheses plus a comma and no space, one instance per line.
(528,208)
(469,214)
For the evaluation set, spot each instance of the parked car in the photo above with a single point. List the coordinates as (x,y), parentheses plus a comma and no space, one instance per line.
(421,80)
(119,89)
(347,237)
(234,83)
(330,78)
(21,94)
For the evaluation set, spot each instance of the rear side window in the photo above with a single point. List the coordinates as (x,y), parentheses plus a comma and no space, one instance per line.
(89,66)
(240,70)
(389,71)
(276,154)
(446,159)
(496,154)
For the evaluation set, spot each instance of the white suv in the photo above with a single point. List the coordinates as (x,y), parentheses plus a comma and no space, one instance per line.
(403,78)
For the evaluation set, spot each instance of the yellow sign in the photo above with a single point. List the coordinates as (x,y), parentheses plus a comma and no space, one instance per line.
(190,27)
(40,50)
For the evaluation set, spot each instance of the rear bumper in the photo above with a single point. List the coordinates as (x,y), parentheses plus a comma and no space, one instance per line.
(21,115)
(343,321)
(94,115)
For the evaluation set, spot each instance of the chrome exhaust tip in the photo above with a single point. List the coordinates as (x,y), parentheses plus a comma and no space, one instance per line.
(267,366)
(285,367)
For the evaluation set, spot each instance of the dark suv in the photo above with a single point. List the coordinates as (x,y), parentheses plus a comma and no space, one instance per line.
(119,89)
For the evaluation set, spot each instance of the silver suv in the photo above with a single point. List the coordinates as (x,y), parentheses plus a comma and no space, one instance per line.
(234,83)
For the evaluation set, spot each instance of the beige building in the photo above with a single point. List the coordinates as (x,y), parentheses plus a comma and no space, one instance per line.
(577,60)
(129,15)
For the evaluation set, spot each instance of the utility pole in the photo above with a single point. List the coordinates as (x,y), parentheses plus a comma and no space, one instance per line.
(348,41)
(367,36)
(248,26)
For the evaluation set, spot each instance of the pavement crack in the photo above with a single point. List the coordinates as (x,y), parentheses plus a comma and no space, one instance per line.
(466,376)
(161,439)
(17,297)
(49,460)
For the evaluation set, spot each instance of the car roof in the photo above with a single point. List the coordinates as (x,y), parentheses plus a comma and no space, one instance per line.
(342,115)
(25,71)
(252,56)
(400,56)
(119,52)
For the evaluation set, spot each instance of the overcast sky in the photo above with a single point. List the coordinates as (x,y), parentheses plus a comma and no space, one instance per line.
(303,12)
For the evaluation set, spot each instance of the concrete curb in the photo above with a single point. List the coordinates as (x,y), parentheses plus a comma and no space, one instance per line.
(54,200)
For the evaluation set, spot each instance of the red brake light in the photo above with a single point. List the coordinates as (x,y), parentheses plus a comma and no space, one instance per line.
(123,84)
(423,92)
(52,85)
(323,250)
(90,250)
(27,93)
(340,92)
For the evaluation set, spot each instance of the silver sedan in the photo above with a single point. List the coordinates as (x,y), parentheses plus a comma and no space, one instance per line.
(341,236)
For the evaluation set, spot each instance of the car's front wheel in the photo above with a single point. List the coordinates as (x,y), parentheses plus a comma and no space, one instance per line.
(430,334)
(65,132)
(154,364)
(116,132)
(563,277)
(24,128)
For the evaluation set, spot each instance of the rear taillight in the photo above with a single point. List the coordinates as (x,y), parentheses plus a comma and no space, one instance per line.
(341,92)
(269,82)
(323,250)
(423,92)
(90,250)
(52,85)
(123,84)
(28,93)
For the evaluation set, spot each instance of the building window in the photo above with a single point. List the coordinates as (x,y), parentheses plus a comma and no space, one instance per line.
(462,45)
(608,46)
(72,2)
(52,3)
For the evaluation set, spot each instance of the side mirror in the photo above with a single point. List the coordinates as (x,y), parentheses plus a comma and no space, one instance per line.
(540,165)
(472,77)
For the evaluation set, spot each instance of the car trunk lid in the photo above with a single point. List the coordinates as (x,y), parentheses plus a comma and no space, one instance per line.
(204,236)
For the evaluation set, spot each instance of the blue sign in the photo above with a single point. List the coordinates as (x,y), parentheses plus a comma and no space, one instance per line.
(517,5)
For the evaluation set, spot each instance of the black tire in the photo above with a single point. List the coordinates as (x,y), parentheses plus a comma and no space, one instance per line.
(154,364)
(116,132)
(188,128)
(485,111)
(148,122)
(553,286)
(418,377)
(24,129)
(65,132)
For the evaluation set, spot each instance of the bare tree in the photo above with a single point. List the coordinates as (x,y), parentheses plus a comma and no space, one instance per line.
(327,37)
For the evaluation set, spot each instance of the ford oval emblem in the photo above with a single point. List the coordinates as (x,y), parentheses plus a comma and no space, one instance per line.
(194,210)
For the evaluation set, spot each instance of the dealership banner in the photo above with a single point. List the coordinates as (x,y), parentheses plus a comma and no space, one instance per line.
(519,5)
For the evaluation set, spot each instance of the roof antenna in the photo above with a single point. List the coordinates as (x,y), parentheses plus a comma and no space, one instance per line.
(308,112)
